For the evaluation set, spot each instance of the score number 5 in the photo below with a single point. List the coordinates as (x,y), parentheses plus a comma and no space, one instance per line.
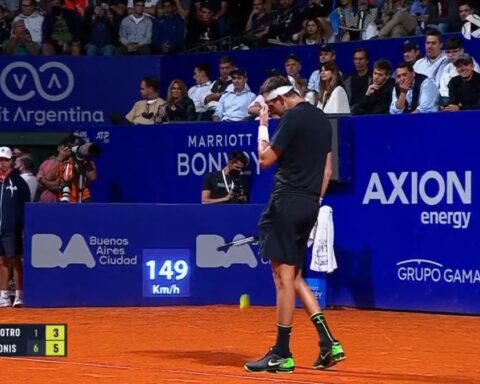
(179,268)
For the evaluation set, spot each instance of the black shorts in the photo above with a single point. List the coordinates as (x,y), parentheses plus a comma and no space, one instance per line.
(11,245)
(284,228)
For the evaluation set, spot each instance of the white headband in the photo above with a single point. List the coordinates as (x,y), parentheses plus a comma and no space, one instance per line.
(284,89)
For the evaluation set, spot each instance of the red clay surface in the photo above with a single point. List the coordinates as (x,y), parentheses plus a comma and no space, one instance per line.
(210,345)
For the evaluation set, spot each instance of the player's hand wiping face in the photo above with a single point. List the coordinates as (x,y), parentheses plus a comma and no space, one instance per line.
(264,115)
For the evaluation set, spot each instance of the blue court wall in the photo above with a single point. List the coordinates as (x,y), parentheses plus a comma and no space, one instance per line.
(406,220)
(407,224)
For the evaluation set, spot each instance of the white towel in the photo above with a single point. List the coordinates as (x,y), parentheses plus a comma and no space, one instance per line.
(321,236)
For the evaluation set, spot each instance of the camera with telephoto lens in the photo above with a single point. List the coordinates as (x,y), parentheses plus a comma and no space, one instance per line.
(239,194)
(84,151)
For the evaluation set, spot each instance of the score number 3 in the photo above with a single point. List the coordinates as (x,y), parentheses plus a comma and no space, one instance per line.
(168,269)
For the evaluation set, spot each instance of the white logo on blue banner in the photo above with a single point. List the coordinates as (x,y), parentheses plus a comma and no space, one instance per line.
(471,28)
(431,271)
(208,255)
(46,251)
(55,75)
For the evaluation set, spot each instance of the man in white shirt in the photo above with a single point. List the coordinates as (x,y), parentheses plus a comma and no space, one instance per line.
(454,48)
(435,60)
(201,75)
(32,19)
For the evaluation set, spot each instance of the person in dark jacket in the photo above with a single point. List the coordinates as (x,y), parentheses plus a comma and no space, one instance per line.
(464,90)
(378,97)
(14,193)
(179,106)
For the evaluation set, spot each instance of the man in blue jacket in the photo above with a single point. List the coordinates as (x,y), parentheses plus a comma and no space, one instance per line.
(14,193)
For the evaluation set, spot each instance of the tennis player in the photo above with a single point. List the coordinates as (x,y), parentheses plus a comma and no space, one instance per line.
(301,146)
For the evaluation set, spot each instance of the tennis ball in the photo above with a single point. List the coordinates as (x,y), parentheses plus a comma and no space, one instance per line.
(244,301)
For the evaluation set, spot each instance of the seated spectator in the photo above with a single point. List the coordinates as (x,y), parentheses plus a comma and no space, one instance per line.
(136,32)
(168,30)
(99,30)
(233,105)
(61,30)
(314,32)
(179,106)
(32,18)
(150,7)
(337,17)
(435,60)
(287,22)
(10,8)
(257,28)
(317,9)
(227,185)
(293,68)
(151,109)
(378,97)
(453,48)
(238,15)
(326,54)
(204,29)
(218,7)
(464,9)
(397,22)
(200,90)
(464,90)
(5,26)
(425,12)
(358,82)
(411,52)
(360,24)
(24,166)
(413,92)
(20,43)
(332,97)
(219,86)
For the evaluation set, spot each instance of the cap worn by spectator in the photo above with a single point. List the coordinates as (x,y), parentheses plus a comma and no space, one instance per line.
(326,48)
(464,58)
(292,56)
(410,45)
(239,72)
(5,153)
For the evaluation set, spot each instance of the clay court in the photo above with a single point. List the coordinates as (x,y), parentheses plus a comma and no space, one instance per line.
(210,344)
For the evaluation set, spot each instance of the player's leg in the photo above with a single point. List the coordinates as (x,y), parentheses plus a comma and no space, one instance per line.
(331,351)
(279,358)
(275,244)
(5,300)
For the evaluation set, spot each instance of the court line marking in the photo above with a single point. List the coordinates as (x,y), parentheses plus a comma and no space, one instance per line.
(70,362)
(184,372)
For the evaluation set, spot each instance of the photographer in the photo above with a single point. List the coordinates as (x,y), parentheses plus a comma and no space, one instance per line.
(73,169)
(226,186)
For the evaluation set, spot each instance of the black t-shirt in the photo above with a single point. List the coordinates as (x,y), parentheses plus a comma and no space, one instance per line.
(304,135)
(214,183)
(465,93)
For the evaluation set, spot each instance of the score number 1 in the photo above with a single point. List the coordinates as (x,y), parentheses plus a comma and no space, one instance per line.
(177,269)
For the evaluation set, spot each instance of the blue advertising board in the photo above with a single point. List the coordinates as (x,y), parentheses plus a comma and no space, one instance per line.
(406,227)
(44,93)
(145,254)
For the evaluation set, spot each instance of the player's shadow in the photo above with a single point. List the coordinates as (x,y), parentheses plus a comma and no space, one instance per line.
(215,358)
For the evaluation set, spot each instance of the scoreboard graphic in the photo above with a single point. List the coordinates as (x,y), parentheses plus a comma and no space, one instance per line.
(33,340)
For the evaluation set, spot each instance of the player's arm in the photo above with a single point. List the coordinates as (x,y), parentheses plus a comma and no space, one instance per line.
(267,156)
(327,174)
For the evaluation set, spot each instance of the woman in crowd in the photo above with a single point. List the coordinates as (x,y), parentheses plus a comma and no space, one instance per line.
(314,32)
(179,106)
(332,97)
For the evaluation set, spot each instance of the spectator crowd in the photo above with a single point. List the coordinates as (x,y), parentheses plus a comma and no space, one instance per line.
(142,27)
